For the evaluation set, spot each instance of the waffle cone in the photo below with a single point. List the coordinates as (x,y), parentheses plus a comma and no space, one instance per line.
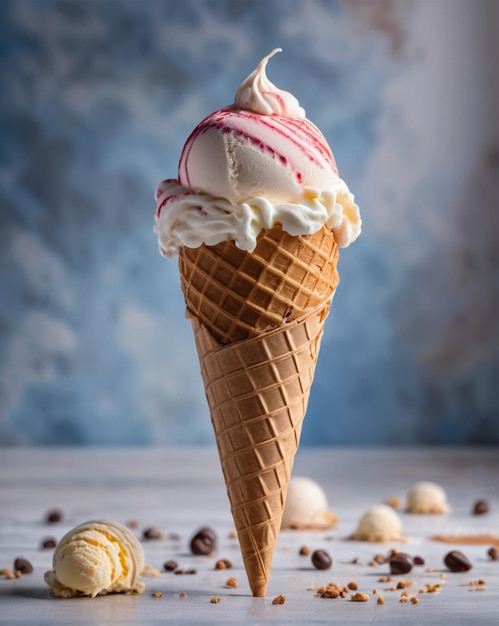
(257,391)
(238,294)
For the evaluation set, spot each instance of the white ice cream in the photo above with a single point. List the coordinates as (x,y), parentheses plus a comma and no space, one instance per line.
(426,497)
(379,523)
(306,506)
(250,166)
(96,558)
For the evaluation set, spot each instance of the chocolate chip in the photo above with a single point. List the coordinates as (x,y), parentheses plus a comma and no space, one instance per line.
(170,566)
(54,516)
(457,562)
(400,563)
(23,566)
(493,554)
(48,542)
(321,559)
(204,542)
(418,560)
(152,533)
(481,507)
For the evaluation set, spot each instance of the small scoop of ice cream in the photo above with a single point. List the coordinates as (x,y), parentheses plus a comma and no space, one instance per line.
(306,506)
(96,558)
(379,523)
(426,497)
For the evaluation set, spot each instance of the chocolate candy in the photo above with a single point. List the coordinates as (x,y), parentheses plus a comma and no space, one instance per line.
(457,562)
(493,554)
(23,566)
(54,516)
(481,507)
(152,533)
(400,563)
(321,559)
(204,542)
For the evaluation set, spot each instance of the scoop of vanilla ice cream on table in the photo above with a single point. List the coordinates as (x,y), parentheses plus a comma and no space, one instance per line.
(306,506)
(379,523)
(96,558)
(426,497)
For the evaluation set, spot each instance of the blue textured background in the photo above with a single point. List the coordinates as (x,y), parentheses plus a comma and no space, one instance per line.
(96,100)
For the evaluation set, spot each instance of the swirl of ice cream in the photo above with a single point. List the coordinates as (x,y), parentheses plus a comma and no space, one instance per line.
(259,95)
(253,165)
(96,558)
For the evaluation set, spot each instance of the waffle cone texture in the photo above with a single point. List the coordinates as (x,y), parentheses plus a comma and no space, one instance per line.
(239,294)
(258,391)
(258,320)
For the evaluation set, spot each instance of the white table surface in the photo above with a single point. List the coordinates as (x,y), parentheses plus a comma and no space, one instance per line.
(180,490)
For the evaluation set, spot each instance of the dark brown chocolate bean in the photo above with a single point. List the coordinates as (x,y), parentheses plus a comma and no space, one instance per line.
(321,559)
(48,542)
(204,542)
(493,554)
(170,566)
(418,560)
(22,565)
(54,516)
(481,507)
(152,533)
(400,563)
(457,562)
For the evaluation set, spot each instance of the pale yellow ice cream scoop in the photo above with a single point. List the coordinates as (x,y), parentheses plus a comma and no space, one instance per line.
(426,497)
(306,506)
(379,523)
(96,558)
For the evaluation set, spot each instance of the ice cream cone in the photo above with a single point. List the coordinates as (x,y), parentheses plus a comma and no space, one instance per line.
(238,294)
(258,390)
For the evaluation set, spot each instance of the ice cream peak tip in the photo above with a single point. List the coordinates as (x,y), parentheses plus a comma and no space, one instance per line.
(259,95)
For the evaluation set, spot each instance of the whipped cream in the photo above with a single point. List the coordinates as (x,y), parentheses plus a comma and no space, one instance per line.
(189,219)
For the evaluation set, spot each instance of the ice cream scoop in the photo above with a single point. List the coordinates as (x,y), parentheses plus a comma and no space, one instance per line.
(306,506)
(426,497)
(96,558)
(379,523)
(249,166)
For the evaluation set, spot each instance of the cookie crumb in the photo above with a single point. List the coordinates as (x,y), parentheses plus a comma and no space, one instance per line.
(149,570)
(279,600)
(394,502)
(380,600)
(359,597)
(157,594)
(414,600)
(231,582)
(353,585)
(304,551)
(215,599)
(182,594)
